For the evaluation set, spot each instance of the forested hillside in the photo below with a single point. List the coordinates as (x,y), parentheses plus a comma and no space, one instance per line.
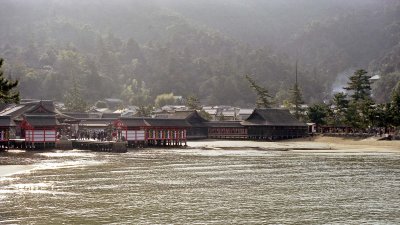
(368,39)
(135,50)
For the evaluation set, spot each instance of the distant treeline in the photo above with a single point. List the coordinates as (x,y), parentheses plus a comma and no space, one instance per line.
(137,50)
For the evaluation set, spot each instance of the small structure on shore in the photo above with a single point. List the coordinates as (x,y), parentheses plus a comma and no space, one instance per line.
(166,132)
(132,130)
(198,125)
(152,131)
(226,130)
(7,127)
(40,131)
(274,124)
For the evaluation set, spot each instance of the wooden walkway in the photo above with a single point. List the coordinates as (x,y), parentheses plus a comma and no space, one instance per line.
(100,146)
(93,145)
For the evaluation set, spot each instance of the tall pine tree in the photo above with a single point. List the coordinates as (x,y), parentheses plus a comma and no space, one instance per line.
(263,97)
(74,101)
(193,102)
(8,94)
(359,85)
(296,99)
(360,106)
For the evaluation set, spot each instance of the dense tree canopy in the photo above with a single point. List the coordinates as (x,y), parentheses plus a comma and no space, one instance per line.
(141,49)
(7,88)
(74,101)
(395,105)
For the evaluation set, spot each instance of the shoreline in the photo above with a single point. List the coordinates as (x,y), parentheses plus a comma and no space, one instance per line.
(316,144)
(310,144)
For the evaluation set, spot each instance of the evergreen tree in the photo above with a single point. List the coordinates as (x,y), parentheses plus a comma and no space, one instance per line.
(360,105)
(93,86)
(263,98)
(381,116)
(340,101)
(136,93)
(7,92)
(359,85)
(318,113)
(205,115)
(296,99)
(341,108)
(144,111)
(193,102)
(74,101)
(395,105)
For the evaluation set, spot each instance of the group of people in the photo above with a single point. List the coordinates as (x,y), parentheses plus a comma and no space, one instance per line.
(93,135)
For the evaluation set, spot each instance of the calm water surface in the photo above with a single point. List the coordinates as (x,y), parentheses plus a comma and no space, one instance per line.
(190,186)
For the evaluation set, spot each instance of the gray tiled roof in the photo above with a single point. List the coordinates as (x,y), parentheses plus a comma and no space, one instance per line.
(41,120)
(272,117)
(222,124)
(134,122)
(191,116)
(82,115)
(6,121)
(111,115)
(180,114)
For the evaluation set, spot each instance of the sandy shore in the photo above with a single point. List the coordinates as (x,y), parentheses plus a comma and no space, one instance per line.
(358,145)
(315,144)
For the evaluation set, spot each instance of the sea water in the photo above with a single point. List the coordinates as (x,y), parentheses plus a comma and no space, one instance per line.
(195,186)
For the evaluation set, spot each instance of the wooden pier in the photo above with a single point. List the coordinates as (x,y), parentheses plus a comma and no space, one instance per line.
(93,145)
(28,145)
(100,146)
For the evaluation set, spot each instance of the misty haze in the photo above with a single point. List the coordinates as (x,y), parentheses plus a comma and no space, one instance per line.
(199,111)
(201,48)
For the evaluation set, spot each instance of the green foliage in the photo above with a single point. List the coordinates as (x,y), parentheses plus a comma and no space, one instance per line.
(381,116)
(8,94)
(361,113)
(136,93)
(144,111)
(340,101)
(338,43)
(360,105)
(359,85)
(45,52)
(205,115)
(193,102)
(341,105)
(164,99)
(318,113)
(74,101)
(263,97)
(395,105)
(352,116)
(296,101)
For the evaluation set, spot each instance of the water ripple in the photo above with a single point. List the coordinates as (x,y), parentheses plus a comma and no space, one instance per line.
(156,186)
